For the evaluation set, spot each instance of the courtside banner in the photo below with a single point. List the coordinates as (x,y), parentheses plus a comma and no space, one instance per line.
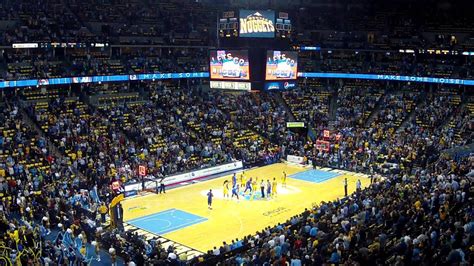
(180,178)
(170,180)
(295,159)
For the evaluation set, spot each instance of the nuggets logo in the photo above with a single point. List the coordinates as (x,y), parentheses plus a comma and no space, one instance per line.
(256,23)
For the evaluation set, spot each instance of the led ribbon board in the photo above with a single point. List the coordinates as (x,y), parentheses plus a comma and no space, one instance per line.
(467,82)
(98,79)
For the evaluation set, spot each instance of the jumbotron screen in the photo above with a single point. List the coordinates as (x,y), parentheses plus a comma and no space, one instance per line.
(229,65)
(281,65)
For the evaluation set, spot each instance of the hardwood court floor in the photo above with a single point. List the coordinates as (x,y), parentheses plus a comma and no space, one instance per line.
(182,216)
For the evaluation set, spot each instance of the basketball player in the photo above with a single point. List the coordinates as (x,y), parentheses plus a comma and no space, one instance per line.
(283,180)
(209,199)
(274,187)
(248,186)
(269,189)
(235,192)
(254,188)
(242,180)
(226,189)
(234,180)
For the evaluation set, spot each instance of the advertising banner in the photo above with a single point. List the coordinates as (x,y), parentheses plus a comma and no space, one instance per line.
(280,85)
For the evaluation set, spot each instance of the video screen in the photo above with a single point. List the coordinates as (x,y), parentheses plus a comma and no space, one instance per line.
(229,65)
(257,24)
(281,65)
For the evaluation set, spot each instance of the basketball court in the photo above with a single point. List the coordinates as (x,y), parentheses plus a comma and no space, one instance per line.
(181,217)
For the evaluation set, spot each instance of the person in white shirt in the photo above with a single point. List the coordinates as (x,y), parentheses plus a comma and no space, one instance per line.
(216,252)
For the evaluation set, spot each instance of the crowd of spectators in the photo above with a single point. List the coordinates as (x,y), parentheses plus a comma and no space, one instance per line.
(27,64)
(40,194)
(396,108)
(175,131)
(372,48)
(43,21)
(421,217)
(432,114)
(310,103)
(144,22)
(395,25)
(352,24)
(68,165)
(95,61)
(389,63)
(356,103)
(458,130)
(58,157)
(418,208)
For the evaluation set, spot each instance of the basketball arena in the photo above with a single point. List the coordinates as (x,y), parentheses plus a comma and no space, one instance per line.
(236,132)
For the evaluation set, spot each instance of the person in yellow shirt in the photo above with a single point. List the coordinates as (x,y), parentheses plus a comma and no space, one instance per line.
(254,187)
(113,171)
(242,180)
(283,179)
(274,187)
(15,235)
(103,211)
(226,188)
(83,250)
(417,204)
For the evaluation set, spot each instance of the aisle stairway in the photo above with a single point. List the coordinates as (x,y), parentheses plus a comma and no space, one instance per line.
(279,99)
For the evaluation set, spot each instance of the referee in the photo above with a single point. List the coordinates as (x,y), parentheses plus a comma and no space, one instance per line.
(162,186)
(345,187)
